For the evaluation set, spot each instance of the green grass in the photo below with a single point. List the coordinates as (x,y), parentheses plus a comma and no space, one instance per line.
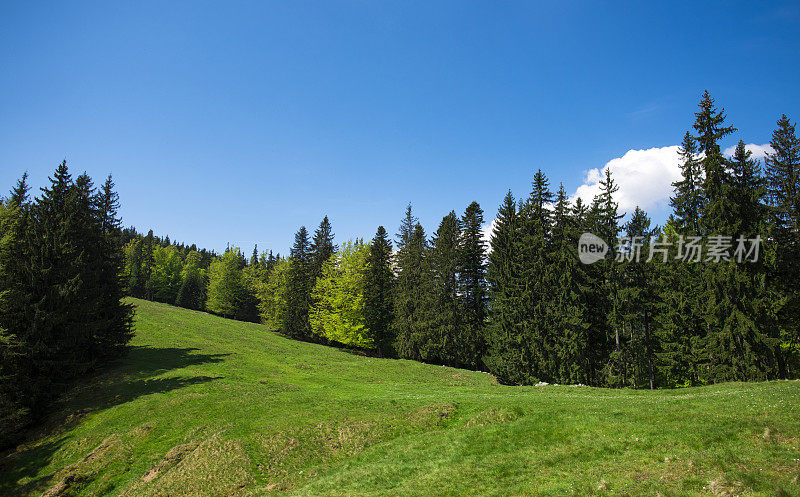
(208,406)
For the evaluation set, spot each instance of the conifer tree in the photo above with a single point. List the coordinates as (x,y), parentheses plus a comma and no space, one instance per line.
(378,287)
(116,316)
(603,219)
(322,248)
(440,335)
(254,257)
(472,288)
(710,127)
(411,295)
(687,200)
(298,287)
(568,299)
(783,188)
(506,357)
(637,296)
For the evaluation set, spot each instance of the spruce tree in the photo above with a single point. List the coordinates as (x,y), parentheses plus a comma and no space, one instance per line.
(568,298)
(322,248)
(604,312)
(298,287)
(637,300)
(440,337)
(687,199)
(506,358)
(783,188)
(116,316)
(411,295)
(472,287)
(533,263)
(378,286)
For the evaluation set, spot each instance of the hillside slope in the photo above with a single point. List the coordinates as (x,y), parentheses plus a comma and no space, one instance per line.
(205,406)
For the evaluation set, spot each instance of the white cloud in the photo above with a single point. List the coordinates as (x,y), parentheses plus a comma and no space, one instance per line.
(486,231)
(759,151)
(644,177)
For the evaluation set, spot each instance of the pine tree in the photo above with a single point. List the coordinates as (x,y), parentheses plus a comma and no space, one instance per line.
(709,125)
(116,316)
(687,200)
(637,300)
(254,258)
(298,287)
(533,262)
(407,226)
(506,358)
(439,336)
(568,299)
(783,187)
(603,219)
(472,288)
(411,295)
(322,248)
(378,286)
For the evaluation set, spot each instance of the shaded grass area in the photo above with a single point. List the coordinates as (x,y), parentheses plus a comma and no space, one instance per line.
(205,406)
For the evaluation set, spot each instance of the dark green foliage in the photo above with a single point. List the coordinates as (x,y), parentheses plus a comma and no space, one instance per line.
(298,287)
(783,188)
(605,363)
(505,357)
(472,292)
(687,200)
(533,266)
(438,339)
(637,296)
(322,248)
(60,289)
(378,287)
(411,295)
(568,293)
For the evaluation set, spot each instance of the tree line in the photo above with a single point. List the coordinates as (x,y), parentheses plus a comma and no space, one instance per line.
(523,306)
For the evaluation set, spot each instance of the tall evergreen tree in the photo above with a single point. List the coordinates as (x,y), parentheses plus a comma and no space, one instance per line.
(298,287)
(472,288)
(506,358)
(603,219)
(411,295)
(637,300)
(322,248)
(533,248)
(378,286)
(568,297)
(439,337)
(711,129)
(687,200)
(783,187)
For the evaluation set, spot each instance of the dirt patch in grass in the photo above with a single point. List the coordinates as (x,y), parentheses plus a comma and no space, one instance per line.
(202,466)
(492,416)
(76,476)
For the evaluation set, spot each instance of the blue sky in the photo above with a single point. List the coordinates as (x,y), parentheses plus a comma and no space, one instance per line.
(240,121)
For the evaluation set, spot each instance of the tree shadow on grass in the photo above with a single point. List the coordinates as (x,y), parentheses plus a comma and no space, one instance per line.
(129,378)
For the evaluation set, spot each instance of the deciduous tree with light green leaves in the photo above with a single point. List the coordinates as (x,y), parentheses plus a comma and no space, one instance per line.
(165,279)
(338,310)
(228,292)
(272,295)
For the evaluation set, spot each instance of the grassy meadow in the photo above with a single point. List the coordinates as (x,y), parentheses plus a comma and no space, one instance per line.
(204,406)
